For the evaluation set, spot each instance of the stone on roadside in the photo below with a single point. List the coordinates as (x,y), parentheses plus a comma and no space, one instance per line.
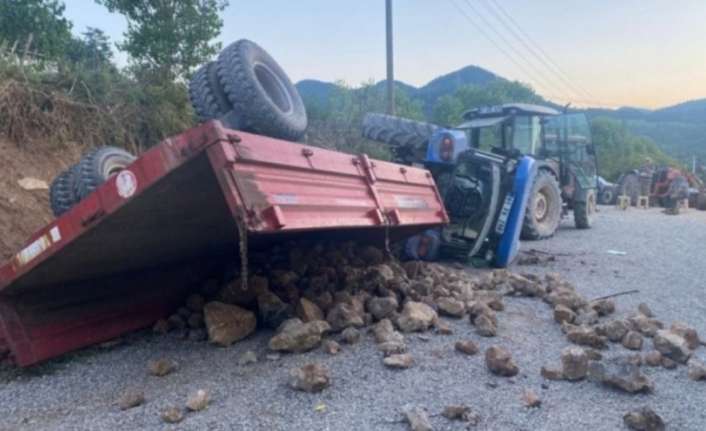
(309,378)
(131,398)
(653,358)
(308,311)
(172,415)
(467,347)
(385,332)
(531,399)
(382,308)
(574,362)
(616,330)
(295,336)
(198,400)
(552,373)
(485,326)
(668,363)
(645,310)
(499,361)
(451,307)
(586,336)
(399,361)
(417,418)
(697,369)
(342,315)
(443,328)
(671,345)
(416,316)
(603,307)
(227,324)
(619,373)
(632,340)
(687,332)
(247,358)
(644,419)
(350,335)
(562,314)
(161,367)
(331,347)
(461,413)
(272,310)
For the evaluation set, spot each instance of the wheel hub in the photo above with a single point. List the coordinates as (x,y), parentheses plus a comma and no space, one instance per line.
(540,207)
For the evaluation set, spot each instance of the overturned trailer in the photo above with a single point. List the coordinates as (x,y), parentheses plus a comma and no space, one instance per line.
(127,254)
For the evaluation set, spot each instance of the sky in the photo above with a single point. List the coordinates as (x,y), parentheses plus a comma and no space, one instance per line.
(643,53)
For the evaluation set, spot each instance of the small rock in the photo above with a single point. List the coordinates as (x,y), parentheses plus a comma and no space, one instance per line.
(645,325)
(644,419)
(461,413)
(635,359)
(308,311)
(531,399)
(161,327)
(198,400)
(443,328)
(485,326)
(562,314)
(382,308)
(499,361)
(467,347)
(552,373)
(227,324)
(585,336)
(688,333)
(172,415)
(310,378)
(384,332)
(653,358)
(131,398)
(697,369)
(645,310)
(331,347)
(272,311)
(342,315)
(416,316)
(586,318)
(668,363)
(161,367)
(417,419)
(616,330)
(620,373)
(392,348)
(195,302)
(574,361)
(451,307)
(671,345)
(632,340)
(295,336)
(399,361)
(593,355)
(350,335)
(247,358)
(603,307)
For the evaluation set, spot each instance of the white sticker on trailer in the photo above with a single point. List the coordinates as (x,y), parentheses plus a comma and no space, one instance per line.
(33,250)
(126,183)
(55,234)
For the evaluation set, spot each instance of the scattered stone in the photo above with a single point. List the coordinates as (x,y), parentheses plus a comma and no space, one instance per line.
(295,336)
(417,418)
(172,415)
(586,318)
(668,363)
(632,340)
(644,419)
(697,369)
(467,347)
(272,310)
(552,373)
(332,347)
(616,330)
(399,361)
(653,358)
(382,308)
(416,316)
(198,400)
(499,361)
(247,358)
(384,332)
(443,328)
(485,326)
(131,398)
(350,335)
(308,311)
(310,378)
(451,307)
(593,355)
(688,333)
(586,336)
(645,310)
(671,345)
(574,362)
(195,302)
(227,324)
(343,315)
(392,348)
(161,367)
(635,359)
(161,327)
(562,314)
(461,413)
(603,307)
(531,399)
(645,325)
(620,373)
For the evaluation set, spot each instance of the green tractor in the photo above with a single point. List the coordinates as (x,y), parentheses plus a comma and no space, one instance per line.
(560,143)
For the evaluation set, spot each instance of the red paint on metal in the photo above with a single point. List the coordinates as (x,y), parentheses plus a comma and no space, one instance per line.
(113,264)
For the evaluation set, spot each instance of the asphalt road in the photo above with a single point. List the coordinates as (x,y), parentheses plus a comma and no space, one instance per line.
(664,259)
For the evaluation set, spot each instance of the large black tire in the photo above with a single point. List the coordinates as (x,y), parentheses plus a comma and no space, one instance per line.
(544,205)
(206,94)
(262,95)
(99,165)
(62,191)
(607,196)
(408,138)
(584,211)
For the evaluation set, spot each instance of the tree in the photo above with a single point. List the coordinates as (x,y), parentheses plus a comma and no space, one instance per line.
(40,22)
(92,50)
(172,36)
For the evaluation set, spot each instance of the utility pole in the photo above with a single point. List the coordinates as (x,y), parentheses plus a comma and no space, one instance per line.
(390,70)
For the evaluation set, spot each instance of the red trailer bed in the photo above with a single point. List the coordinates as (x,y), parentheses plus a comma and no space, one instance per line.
(125,256)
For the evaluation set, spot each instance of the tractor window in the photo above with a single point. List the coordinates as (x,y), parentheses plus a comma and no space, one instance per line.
(489,137)
(526,134)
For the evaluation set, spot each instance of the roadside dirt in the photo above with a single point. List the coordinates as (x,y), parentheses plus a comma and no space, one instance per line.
(22,211)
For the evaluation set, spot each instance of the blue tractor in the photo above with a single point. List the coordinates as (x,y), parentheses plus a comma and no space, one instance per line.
(505,172)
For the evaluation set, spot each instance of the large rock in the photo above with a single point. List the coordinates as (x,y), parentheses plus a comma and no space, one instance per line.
(297,336)
(310,378)
(619,372)
(343,315)
(272,310)
(382,308)
(697,369)
(416,316)
(227,324)
(308,311)
(499,361)
(689,334)
(451,307)
(671,345)
(644,419)
(574,362)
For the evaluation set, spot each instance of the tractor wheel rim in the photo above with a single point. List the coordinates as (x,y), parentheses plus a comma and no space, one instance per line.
(540,207)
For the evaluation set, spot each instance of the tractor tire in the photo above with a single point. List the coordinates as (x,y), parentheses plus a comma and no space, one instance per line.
(607,196)
(206,94)
(62,191)
(99,165)
(629,184)
(544,206)
(584,211)
(262,95)
(408,138)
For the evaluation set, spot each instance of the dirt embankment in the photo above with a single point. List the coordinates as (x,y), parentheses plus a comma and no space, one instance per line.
(22,211)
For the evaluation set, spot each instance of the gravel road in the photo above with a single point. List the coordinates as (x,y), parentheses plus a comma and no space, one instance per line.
(665,259)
